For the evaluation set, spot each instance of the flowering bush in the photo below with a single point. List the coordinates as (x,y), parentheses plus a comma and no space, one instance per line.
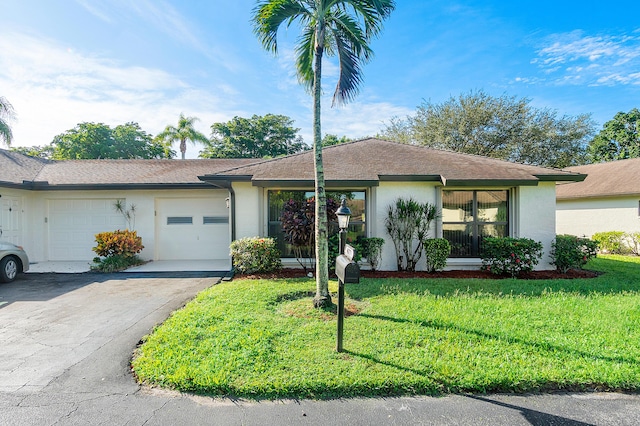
(571,252)
(255,255)
(510,255)
(436,251)
(122,243)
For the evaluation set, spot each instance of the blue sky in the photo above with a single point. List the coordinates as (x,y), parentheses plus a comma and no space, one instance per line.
(67,61)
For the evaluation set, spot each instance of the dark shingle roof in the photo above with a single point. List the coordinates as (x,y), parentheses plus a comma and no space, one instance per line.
(15,167)
(371,160)
(614,178)
(21,170)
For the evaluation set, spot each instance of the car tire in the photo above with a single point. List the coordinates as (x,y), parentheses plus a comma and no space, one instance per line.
(8,269)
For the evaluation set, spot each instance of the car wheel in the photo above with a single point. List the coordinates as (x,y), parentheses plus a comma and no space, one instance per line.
(8,269)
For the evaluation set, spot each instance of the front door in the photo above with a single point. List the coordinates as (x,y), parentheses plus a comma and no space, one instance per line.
(11,219)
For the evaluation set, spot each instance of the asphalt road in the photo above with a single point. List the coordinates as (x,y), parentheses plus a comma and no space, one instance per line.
(66,341)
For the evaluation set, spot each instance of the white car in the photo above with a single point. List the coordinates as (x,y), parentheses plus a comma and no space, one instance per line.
(13,260)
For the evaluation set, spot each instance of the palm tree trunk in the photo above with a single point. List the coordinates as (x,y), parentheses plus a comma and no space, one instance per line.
(183,147)
(322,297)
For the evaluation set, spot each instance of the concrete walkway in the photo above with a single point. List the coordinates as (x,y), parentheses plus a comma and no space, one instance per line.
(72,267)
(67,341)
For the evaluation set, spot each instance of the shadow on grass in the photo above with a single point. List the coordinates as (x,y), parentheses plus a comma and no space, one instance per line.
(621,275)
(484,335)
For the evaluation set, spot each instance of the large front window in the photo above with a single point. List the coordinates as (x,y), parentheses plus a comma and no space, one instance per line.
(470,216)
(355,202)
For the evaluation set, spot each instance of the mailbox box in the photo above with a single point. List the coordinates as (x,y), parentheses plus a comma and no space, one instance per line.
(347,270)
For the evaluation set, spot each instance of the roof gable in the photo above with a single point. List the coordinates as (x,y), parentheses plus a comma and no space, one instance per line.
(373,160)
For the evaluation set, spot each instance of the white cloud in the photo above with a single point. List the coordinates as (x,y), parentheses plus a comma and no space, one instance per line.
(576,58)
(52,89)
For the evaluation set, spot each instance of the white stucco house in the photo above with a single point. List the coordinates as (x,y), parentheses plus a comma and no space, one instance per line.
(193,209)
(607,200)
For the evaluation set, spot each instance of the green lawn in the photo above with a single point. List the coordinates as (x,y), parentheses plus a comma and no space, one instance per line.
(262,339)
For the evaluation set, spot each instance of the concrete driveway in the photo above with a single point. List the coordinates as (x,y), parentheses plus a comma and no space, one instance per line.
(66,341)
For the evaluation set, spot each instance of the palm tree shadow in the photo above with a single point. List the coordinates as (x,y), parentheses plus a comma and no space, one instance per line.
(534,417)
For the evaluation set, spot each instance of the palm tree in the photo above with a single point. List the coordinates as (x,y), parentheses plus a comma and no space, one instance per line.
(183,133)
(6,114)
(335,27)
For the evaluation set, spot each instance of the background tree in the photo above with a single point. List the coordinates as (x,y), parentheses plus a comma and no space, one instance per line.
(330,139)
(182,133)
(502,127)
(618,139)
(98,140)
(336,27)
(256,137)
(45,151)
(6,114)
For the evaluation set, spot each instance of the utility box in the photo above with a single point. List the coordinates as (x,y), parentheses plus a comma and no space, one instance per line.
(347,270)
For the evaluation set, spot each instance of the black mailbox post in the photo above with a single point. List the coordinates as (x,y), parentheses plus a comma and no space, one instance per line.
(348,272)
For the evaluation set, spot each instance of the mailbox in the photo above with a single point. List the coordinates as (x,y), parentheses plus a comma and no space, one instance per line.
(347,271)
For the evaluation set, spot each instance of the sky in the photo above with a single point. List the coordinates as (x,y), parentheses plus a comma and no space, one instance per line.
(63,62)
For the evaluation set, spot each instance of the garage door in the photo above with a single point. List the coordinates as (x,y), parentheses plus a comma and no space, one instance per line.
(192,228)
(73,224)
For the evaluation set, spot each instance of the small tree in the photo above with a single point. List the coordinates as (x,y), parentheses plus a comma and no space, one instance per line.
(408,223)
(298,226)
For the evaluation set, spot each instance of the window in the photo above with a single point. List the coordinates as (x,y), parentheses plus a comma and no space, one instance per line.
(469,216)
(355,201)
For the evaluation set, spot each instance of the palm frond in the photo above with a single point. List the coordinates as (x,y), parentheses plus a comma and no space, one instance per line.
(305,53)
(268,15)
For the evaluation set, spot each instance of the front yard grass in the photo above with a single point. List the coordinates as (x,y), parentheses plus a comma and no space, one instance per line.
(262,338)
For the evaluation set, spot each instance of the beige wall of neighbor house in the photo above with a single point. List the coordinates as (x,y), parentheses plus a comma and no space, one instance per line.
(586,216)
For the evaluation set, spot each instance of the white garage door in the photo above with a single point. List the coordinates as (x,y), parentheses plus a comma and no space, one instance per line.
(192,228)
(73,224)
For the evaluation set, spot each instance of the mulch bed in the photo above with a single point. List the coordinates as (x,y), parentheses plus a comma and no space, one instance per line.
(534,275)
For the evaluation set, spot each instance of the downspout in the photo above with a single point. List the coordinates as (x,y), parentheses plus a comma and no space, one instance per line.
(232,213)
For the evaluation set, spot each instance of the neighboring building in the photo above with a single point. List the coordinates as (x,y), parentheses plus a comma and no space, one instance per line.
(192,209)
(607,200)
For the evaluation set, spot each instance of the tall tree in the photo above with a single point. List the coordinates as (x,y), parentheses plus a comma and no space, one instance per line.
(618,139)
(330,139)
(98,140)
(334,27)
(256,137)
(502,127)
(182,133)
(6,114)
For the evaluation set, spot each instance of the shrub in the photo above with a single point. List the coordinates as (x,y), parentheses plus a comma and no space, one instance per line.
(118,243)
(334,249)
(408,222)
(571,252)
(436,251)
(255,255)
(632,239)
(115,263)
(510,255)
(372,250)
(610,242)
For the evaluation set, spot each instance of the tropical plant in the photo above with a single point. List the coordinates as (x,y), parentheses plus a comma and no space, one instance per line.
(127,212)
(408,222)
(6,114)
(182,133)
(298,224)
(255,254)
(336,27)
(117,250)
(508,255)
(436,252)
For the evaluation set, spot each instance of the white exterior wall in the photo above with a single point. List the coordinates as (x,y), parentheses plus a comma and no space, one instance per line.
(534,217)
(35,233)
(249,214)
(587,216)
(383,196)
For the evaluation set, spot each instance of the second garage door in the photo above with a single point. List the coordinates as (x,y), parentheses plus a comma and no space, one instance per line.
(192,228)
